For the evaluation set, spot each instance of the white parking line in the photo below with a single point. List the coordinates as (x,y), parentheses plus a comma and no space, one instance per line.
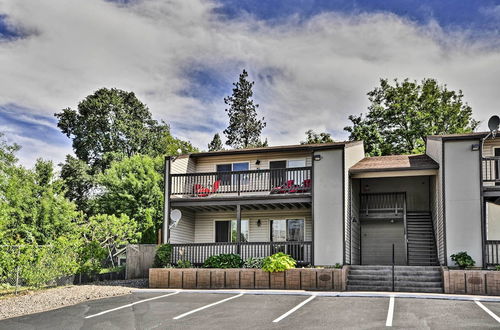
(130,305)
(493,315)
(206,306)
(294,309)
(390,313)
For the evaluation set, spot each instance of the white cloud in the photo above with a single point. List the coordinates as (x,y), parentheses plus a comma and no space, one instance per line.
(321,68)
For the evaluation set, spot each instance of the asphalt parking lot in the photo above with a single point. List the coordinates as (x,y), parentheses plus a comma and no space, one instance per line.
(195,310)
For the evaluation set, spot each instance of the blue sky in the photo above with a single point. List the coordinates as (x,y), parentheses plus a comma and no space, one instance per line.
(307,57)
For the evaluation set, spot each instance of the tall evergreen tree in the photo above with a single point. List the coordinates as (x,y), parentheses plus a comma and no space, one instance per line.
(216,143)
(244,127)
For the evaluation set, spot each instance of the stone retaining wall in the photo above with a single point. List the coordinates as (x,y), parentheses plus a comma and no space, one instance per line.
(480,282)
(293,279)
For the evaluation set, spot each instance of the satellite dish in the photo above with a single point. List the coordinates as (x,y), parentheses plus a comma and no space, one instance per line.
(493,124)
(175,216)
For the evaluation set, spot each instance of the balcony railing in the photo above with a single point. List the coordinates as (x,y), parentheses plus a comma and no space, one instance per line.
(274,181)
(492,253)
(197,253)
(491,169)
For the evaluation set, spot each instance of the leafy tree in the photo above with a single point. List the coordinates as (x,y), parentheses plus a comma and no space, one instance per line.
(112,121)
(403,114)
(78,180)
(134,187)
(216,143)
(33,205)
(244,127)
(313,138)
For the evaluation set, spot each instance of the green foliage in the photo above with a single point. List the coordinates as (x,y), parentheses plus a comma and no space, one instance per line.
(278,262)
(244,127)
(463,259)
(78,180)
(497,267)
(401,116)
(184,264)
(315,138)
(216,143)
(338,266)
(163,256)
(134,186)
(224,261)
(253,262)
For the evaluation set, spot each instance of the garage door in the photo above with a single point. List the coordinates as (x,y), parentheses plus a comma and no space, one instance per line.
(377,237)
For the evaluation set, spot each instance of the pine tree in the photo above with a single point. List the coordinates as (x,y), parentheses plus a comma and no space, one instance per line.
(216,143)
(244,127)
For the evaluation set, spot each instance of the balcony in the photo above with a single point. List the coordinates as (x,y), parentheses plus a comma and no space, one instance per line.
(491,172)
(286,181)
(197,253)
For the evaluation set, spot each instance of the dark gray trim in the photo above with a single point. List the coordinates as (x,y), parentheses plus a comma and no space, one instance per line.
(388,169)
(166,200)
(232,202)
(290,148)
(483,205)
(471,136)
(343,205)
(312,208)
(444,204)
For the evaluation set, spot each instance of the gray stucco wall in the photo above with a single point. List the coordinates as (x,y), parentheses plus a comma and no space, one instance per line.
(462,200)
(328,207)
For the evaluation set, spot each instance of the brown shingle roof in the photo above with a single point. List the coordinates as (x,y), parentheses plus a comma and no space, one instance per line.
(394,163)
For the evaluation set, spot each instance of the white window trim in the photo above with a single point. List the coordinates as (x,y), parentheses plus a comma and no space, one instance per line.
(231,163)
(214,228)
(277,219)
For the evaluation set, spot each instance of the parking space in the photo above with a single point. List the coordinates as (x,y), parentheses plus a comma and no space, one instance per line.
(200,310)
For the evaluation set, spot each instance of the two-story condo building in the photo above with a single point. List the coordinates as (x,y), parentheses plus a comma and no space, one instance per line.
(327,203)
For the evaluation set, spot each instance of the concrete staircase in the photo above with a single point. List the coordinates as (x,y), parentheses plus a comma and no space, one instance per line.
(406,278)
(421,243)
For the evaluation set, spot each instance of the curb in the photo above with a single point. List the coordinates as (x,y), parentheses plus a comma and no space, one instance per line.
(360,294)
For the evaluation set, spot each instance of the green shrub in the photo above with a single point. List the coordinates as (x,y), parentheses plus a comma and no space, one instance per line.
(253,263)
(278,262)
(224,261)
(497,267)
(463,260)
(162,256)
(184,264)
(337,266)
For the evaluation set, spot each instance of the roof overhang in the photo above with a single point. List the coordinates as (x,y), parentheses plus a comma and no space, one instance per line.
(393,173)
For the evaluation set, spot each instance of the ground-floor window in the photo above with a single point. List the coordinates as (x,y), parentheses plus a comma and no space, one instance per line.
(227,231)
(492,209)
(287,230)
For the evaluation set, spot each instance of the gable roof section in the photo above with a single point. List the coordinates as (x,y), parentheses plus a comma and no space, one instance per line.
(295,147)
(394,163)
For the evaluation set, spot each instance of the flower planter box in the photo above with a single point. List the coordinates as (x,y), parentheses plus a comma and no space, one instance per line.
(471,281)
(247,278)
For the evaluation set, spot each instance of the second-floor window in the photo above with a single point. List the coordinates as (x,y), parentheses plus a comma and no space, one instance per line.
(227,178)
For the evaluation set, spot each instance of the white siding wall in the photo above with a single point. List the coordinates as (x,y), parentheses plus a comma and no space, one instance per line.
(205,223)
(208,164)
(328,208)
(182,164)
(462,199)
(184,232)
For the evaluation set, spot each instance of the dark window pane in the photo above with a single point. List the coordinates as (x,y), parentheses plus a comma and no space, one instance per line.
(222,231)
(224,177)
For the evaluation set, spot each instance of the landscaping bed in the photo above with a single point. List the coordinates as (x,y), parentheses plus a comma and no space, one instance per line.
(248,278)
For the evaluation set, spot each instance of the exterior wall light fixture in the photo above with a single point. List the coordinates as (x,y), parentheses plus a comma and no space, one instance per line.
(259,223)
(317,157)
(475,147)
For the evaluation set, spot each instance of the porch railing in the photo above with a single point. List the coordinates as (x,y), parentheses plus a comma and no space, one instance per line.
(275,181)
(492,255)
(491,169)
(383,202)
(197,253)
